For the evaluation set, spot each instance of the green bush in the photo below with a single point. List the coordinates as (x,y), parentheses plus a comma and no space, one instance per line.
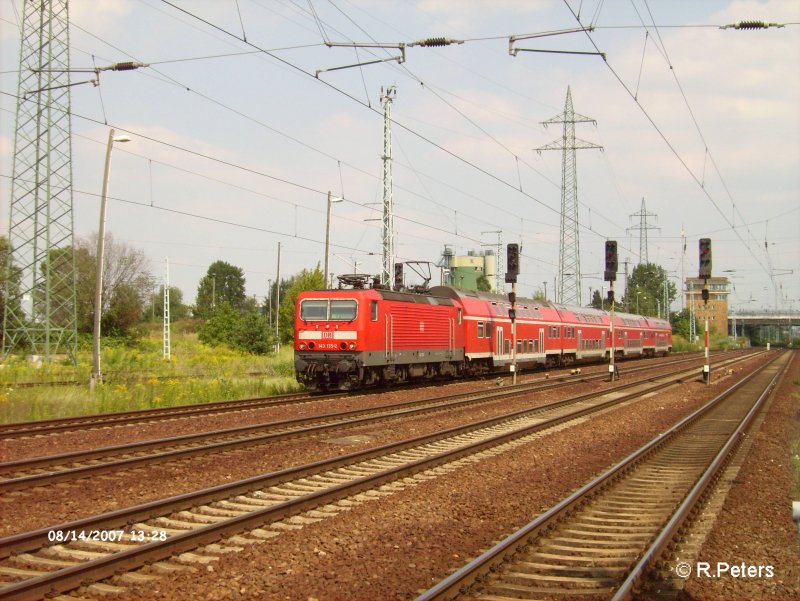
(248,332)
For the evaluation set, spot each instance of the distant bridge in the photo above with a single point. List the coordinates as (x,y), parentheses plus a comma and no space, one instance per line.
(782,320)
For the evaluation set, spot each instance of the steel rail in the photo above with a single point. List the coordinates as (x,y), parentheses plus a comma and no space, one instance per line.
(695,496)
(460,581)
(57,425)
(296,427)
(153,551)
(103,420)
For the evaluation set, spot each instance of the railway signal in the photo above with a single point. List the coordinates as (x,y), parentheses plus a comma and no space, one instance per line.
(512,271)
(512,263)
(705,273)
(398,276)
(611,261)
(705,258)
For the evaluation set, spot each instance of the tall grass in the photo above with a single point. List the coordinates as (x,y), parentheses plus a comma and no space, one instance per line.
(137,377)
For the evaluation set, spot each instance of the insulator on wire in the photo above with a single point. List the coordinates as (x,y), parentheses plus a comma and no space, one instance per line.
(430,42)
(751,25)
(127,66)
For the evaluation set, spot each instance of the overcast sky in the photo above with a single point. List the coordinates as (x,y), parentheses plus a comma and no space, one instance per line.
(235,144)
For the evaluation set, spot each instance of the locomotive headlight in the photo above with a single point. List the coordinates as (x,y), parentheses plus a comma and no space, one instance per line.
(352,346)
(302,346)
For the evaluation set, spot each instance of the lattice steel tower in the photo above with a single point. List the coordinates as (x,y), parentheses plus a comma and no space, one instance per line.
(568,290)
(643,226)
(40,313)
(387,270)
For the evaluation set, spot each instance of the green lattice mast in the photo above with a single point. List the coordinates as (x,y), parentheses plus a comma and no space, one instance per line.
(40,312)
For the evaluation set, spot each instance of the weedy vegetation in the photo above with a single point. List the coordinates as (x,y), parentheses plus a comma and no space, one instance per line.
(136,376)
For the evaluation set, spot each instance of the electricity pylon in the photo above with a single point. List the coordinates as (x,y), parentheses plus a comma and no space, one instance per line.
(569,250)
(40,312)
(643,226)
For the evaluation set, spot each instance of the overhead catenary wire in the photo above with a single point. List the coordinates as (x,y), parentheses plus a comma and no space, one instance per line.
(399,124)
(403,126)
(708,153)
(517,158)
(516,183)
(267,126)
(669,144)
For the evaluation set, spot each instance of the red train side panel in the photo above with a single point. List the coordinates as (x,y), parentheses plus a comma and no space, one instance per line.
(393,336)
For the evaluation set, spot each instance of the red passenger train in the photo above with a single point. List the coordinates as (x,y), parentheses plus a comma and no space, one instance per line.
(345,339)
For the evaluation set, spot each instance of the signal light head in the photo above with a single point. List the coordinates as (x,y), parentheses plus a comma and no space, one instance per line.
(612,263)
(512,263)
(705,258)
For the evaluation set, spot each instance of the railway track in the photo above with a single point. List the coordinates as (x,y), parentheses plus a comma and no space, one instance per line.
(221,518)
(40,471)
(105,420)
(600,541)
(121,418)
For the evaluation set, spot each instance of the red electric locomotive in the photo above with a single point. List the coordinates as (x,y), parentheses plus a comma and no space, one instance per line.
(348,338)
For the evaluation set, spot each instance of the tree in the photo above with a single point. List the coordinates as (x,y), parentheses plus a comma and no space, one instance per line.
(125,310)
(597,300)
(155,308)
(248,332)
(483,284)
(223,283)
(305,280)
(646,288)
(126,282)
(681,321)
(254,334)
(220,326)
(10,276)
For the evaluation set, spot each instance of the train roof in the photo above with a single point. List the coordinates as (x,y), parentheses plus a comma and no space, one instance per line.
(458,293)
(385,294)
(580,314)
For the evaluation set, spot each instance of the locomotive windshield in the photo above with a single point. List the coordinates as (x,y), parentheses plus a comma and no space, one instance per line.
(328,310)
(343,310)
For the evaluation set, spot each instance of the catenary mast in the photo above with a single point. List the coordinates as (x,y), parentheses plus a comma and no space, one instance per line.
(387,269)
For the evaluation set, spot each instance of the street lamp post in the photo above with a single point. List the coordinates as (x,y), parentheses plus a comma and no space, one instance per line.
(545,290)
(97,376)
(331,200)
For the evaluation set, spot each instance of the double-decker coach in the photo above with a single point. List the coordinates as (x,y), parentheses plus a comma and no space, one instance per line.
(547,334)
(636,335)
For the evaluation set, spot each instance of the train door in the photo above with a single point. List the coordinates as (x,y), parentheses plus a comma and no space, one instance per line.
(451,338)
(541,340)
(579,347)
(389,336)
(498,341)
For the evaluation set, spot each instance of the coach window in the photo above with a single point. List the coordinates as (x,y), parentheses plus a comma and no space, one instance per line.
(343,310)
(480,329)
(488,329)
(373,310)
